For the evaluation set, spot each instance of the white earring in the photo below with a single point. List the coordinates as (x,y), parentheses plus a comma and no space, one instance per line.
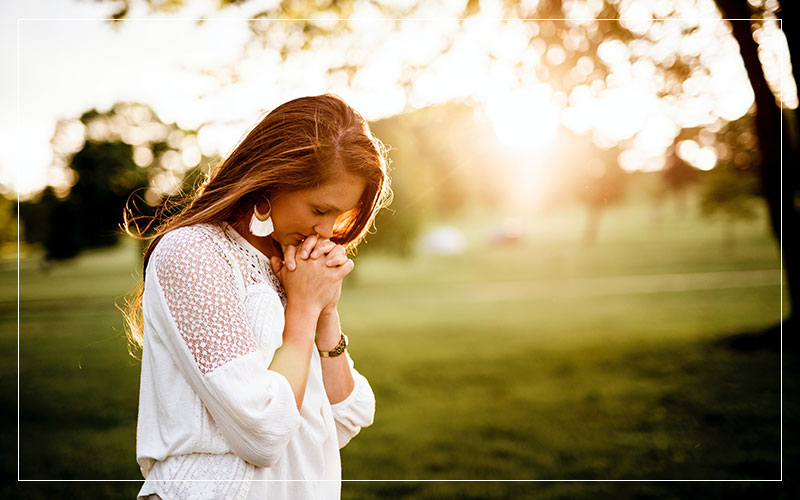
(261,224)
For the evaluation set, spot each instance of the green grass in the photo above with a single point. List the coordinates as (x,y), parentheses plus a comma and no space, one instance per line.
(547,360)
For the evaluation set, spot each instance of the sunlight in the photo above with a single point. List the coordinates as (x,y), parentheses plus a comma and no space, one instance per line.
(533,181)
(525,117)
(703,158)
(619,113)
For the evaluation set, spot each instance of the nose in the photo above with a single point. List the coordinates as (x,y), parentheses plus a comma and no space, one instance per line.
(325,229)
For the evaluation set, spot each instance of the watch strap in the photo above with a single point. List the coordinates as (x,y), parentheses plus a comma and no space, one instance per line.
(336,351)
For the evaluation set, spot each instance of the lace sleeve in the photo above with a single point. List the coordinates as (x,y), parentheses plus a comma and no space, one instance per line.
(201,293)
(193,308)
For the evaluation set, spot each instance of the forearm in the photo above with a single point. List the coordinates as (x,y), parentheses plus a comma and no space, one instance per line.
(293,357)
(336,372)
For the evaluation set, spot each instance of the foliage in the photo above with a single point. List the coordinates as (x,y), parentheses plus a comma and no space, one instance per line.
(598,181)
(433,174)
(731,194)
(8,219)
(586,173)
(732,189)
(552,26)
(109,159)
(678,175)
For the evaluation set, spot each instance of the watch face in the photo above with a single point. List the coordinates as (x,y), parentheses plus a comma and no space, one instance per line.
(340,347)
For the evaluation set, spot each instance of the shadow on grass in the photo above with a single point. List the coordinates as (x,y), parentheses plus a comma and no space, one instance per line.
(781,337)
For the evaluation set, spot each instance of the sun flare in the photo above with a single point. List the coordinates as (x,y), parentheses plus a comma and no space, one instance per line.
(524,118)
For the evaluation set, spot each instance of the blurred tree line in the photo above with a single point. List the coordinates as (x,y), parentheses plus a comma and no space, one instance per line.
(445,159)
(109,159)
(127,157)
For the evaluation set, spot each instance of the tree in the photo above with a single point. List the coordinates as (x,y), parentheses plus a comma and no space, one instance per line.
(731,190)
(677,176)
(731,195)
(433,174)
(592,175)
(778,186)
(111,158)
(8,219)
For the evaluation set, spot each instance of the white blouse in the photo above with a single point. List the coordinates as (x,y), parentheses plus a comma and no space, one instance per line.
(214,422)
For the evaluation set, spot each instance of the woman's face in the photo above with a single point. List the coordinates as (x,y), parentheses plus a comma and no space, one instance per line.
(299,214)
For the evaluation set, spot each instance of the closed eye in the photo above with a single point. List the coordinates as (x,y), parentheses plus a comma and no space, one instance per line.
(317,211)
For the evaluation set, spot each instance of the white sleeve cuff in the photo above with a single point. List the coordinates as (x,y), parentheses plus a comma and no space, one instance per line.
(357,410)
(254,408)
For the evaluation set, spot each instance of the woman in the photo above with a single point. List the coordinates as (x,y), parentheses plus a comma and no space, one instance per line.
(247,390)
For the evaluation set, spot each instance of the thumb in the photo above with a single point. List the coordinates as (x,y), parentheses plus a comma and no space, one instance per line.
(276,263)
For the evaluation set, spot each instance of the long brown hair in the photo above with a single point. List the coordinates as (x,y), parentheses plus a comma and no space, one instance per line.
(301,144)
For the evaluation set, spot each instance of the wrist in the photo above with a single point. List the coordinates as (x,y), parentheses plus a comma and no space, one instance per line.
(301,322)
(329,312)
(301,343)
(329,331)
(327,343)
(302,307)
(328,324)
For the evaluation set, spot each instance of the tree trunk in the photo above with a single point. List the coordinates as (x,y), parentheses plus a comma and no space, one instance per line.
(789,11)
(768,128)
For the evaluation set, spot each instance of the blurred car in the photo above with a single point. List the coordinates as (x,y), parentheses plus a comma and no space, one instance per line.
(443,240)
(507,232)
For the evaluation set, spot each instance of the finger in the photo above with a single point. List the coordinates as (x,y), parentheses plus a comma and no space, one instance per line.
(289,257)
(276,264)
(347,267)
(335,255)
(336,261)
(323,248)
(307,245)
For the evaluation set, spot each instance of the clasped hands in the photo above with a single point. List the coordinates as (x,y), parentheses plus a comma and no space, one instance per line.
(311,279)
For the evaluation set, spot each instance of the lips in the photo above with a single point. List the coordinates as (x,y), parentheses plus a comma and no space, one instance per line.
(296,238)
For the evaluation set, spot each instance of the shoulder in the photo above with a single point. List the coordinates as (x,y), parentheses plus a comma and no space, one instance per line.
(190,246)
(186,237)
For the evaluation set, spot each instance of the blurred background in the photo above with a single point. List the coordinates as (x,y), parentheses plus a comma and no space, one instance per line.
(580,276)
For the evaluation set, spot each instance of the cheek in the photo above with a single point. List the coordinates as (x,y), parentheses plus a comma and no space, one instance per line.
(289,228)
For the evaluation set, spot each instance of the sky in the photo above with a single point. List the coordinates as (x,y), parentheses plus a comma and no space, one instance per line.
(60,59)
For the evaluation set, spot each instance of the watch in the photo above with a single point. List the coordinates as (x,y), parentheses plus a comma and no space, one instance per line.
(339,349)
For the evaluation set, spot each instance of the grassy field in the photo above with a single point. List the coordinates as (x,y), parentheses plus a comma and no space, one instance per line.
(544,360)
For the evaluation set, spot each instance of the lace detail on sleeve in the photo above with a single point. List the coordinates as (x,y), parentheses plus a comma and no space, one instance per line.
(202,297)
